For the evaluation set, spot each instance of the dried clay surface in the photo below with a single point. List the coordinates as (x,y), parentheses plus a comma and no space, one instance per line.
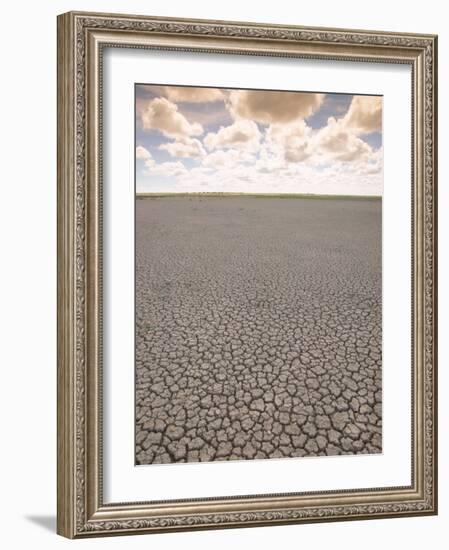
(258,328)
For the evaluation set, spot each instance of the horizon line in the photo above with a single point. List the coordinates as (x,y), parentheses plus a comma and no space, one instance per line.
(256,195)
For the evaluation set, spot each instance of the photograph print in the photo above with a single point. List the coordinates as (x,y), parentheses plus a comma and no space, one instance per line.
(258,269)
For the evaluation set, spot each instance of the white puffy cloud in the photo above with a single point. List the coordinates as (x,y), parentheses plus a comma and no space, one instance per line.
(294,178)
(142,153)
(176,168)
(242,134)
(374,163)
(296,152)
(282,132)
(191,94)
(364,115)
(163,115)
(184,148)
(272,107)
(298,143)
(269,164)
(291,140)
(225,159)
(227,171)
(340,143)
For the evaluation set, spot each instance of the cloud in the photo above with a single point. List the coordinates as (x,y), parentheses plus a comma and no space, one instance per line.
(239,171)
(269,164)
(163,115)
(374,164)
(243,134)
(184,148)
(142,153)
(227,159)
(334,144)
(291,140)
(340,143)
(364,115)
(272,107)
(297,152)
(191,94)
(296,178)
(267,146)
(165,168)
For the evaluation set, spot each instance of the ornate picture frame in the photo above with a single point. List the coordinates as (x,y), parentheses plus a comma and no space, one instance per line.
(82,39)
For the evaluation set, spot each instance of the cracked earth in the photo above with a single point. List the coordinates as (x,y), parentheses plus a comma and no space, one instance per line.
(258,328)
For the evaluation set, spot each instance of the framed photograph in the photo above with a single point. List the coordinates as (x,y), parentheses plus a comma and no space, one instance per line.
(246,274)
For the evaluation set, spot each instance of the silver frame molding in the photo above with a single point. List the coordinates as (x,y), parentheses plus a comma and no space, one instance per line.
(81,38)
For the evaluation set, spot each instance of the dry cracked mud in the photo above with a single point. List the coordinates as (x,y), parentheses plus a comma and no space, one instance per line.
(258,328)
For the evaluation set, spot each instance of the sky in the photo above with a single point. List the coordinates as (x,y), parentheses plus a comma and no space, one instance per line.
(191,140)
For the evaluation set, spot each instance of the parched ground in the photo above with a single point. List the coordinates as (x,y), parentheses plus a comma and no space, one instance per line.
(258,328)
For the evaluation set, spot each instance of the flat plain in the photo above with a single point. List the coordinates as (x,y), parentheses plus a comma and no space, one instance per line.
(258,327)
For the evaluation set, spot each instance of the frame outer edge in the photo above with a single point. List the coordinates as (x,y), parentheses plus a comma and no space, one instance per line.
(435,270)
(75,482)
(66,429)
(233,23)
